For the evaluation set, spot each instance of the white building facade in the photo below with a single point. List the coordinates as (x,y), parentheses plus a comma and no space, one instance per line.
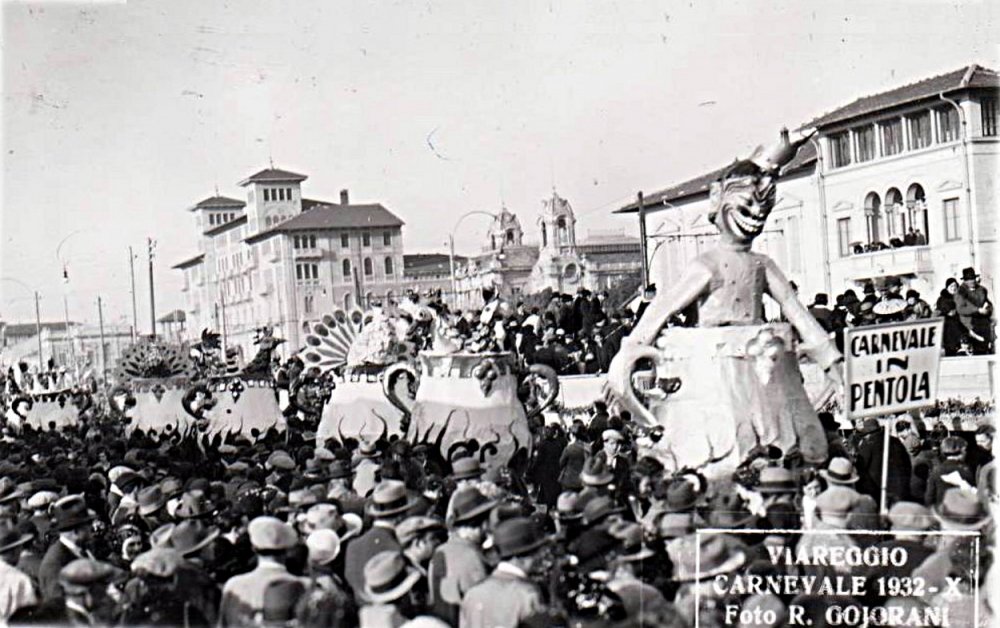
(899,184)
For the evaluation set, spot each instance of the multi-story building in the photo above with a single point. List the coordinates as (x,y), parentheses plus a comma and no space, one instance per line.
(284,261)
(560,263)
(429,273)
(899,184)
(75,347)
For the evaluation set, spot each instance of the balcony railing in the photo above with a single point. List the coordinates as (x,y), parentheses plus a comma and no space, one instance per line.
(906,260)
(307,253)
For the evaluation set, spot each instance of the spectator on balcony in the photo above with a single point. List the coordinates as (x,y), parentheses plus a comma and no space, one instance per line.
(916,307)
(954,333)
(921,238)
(821,312)
(869,292)
(910,238)
(975,311)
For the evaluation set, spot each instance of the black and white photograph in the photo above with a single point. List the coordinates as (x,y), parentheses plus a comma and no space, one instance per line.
(522,314)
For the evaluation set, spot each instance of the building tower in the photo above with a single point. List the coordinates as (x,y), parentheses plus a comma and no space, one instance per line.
(273,196)
(505,232)
(558,226)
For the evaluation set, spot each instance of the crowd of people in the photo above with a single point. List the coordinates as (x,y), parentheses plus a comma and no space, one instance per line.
(102,528)
(964,305)
(913,237)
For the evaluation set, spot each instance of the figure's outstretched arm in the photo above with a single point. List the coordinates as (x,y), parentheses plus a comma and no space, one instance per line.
(693,283)
(816,341)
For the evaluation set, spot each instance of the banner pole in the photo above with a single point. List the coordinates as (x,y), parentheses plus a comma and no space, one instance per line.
(885,467)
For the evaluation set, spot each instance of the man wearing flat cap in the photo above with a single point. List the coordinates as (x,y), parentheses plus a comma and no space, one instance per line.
(16,589)
(84,598)
(243,595)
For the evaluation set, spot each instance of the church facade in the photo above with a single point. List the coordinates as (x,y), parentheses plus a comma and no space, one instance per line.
(558,261)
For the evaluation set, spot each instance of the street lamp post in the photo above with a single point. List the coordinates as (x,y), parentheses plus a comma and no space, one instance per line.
(38,319)
(451,249)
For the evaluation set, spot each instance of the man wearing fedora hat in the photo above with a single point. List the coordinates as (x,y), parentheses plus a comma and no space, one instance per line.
(340,487)
(458,564)
(72,521)
(243,595)
(16,588)
(389,581)
(869,464)
(951,471)
(507,596)
(960,511)
(389,504)
(975,310)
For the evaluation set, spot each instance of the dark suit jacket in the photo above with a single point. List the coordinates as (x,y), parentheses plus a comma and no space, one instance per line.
(361,549)
(56,557)
(870,468)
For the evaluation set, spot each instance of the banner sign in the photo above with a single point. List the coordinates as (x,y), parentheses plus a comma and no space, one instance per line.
(892,368)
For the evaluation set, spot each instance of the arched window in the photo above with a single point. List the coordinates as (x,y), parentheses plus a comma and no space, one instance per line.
(916,212)
(348,301)
(545,239)
(510,236)
(873,212)
(369,299)
(346,265)
(895,217)
(369,269)
(388,266)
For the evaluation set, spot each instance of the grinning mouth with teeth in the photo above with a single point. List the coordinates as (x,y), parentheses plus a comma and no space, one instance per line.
(745,222)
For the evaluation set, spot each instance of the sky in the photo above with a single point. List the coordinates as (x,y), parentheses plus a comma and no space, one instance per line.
(118,117)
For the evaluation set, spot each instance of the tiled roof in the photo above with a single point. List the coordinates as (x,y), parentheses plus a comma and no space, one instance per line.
(218,202)
(428,263)
(310,203)
(275,175)
(331,216)
(194,261)
(177,316)
(804,160)
(16,330)
(232,224)
(972,76)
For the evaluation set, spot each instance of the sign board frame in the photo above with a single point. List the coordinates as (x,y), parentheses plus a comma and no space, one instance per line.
(851,365)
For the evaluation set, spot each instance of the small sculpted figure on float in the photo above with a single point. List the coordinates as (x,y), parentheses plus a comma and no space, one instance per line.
(733,381)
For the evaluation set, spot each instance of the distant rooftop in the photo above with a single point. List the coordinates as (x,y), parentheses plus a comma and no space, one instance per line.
(273,175)
(193,261)
(333,216)
(218,202)
(969,77)
(28,329)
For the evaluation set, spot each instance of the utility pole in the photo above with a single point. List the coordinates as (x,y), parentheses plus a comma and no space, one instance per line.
(222,301)
(69,337)
(135,310)
(150,246)
(38,334)
(104,355)
(642,242)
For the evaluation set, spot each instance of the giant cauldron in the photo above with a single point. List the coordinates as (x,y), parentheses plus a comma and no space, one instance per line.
(471,398)
(735,385)
(237,404)
(50,410)
(357,408)
(156,404)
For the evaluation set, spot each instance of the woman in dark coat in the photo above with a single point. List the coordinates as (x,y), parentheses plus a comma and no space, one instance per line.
(955,332)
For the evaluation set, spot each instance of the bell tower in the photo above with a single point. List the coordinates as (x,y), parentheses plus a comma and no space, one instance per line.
(558,225)
(505,232)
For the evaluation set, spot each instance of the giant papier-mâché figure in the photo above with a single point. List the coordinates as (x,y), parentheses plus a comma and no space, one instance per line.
(732,382)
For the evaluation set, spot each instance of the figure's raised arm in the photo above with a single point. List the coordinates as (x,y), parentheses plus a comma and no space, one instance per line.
(816,340)
(693,283)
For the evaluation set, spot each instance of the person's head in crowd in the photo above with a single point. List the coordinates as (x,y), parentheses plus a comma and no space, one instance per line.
(912,296)
(953,448)
(961,510)
(984,437)
(389,580)
(271,539)
(518,541)
(970,278)
(73,520)
(87,587)
(614,442)
(470,514)
(466,471)
(324,546)
(419,536)
(12,541)
(951,285)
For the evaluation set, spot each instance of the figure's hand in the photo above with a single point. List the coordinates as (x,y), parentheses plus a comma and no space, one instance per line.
(619,371)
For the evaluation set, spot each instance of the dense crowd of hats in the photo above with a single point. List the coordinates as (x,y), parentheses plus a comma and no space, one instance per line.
(102,528)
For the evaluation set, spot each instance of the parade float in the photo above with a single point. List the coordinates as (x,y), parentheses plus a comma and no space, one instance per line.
(733,381)
(344,359)
(51,407)
(240,400)
(161,389)
(153,381)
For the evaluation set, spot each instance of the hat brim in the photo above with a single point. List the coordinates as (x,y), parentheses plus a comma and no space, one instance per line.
(467,475)
(734,562)
(200,545)
(951,524)
(75,522)
(776,489)
(843,482)
(523,549)
(149,509)
(396,592)
(597,480)
(481,509)
(25,538)
(642,554)
(375,512)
